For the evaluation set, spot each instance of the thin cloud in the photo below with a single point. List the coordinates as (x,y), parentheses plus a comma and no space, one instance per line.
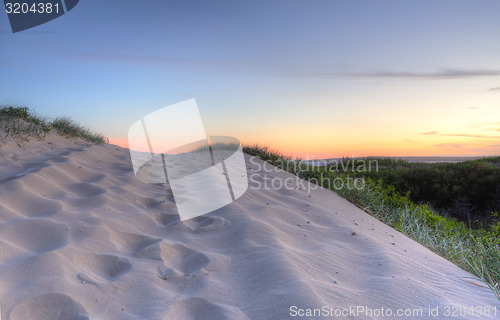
(487,126)
(430,133)
(469,135)
(449,145)
(494,89)
(434,133)
(442,74)
(490,148)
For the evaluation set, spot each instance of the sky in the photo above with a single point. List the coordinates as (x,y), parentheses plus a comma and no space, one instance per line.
(310,78)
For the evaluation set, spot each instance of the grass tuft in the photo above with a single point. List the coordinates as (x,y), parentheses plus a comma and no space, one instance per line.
(267,154)
(68,127)
(20,122)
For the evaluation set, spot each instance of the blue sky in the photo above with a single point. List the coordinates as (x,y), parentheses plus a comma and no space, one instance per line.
(328,78)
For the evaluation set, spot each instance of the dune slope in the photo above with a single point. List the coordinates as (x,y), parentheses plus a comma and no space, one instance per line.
(82,238)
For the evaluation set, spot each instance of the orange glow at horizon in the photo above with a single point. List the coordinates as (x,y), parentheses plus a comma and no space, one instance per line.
(429,148)
(321,149)
(121,142)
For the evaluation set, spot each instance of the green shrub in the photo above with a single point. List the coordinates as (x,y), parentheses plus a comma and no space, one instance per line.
(468,191)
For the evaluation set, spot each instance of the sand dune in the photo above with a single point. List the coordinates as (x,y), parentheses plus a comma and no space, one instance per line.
(82,238)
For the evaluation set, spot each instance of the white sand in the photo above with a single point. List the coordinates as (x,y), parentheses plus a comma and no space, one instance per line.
(82,238)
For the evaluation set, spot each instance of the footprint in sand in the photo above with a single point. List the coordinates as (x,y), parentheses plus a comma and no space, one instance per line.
(85,279)
(51,306)
(166,219)
(90,202)
(131,242)
(85,189)
(103,266)
(148,202)
(177,258)
(206,223)
(86,195)
(182,258)
(81,174)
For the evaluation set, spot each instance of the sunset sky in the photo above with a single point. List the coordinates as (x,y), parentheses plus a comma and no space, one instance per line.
(311,78)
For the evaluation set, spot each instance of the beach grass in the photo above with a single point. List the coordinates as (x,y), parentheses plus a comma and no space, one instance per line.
(68,127)
(23,123)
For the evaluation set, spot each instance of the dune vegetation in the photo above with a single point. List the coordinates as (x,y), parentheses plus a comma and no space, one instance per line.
(22,123)
(468,191)
(419,200)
